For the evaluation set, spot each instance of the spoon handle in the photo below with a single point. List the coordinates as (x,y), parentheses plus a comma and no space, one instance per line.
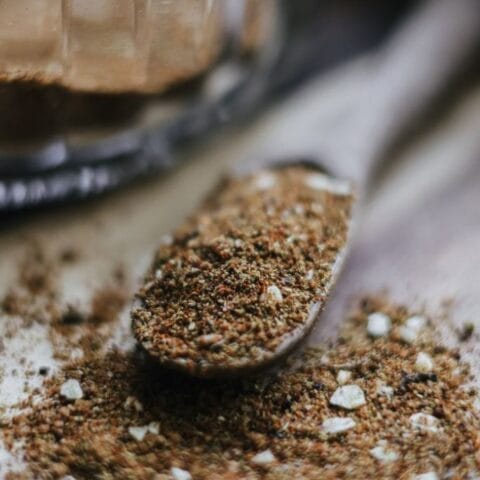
(408,75)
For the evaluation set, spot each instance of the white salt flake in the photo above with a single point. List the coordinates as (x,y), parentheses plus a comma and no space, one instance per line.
(325,359)
(416,323)
(263,458)
(180,474)
(385,390)
(348,396)
(264,181)
(209,339)
(378,325)
(154,428)
(383,453)
(424,422)
(424,363)
(133,402)
(274,293)
(343,377)
(319,181)
(138,433)
(296,238)
(426,476)
(299,209)
(309,275)
(71,390)
(159,274)
(338,425)
(408,335)
(410,331)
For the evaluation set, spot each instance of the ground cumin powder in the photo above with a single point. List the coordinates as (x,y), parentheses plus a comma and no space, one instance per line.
(416,416)
(242,274)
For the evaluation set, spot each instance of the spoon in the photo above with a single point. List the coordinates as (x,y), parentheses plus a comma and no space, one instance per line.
(241,283)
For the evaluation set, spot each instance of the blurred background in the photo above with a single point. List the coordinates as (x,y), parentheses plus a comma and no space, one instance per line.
(95,94)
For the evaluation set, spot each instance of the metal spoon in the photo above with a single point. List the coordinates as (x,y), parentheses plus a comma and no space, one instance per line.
(411,70)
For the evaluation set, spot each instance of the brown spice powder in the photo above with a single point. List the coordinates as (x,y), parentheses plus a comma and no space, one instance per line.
(245,271)
(34,298)
(268,427)
(107,303)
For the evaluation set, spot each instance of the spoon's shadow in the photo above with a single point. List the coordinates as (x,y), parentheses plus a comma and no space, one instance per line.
(181,403)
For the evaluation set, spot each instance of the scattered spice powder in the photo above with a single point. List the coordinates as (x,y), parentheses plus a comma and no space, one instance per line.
(89,330)
(107,303)
(245,271)
(34,298)
(466,332)
(135,421)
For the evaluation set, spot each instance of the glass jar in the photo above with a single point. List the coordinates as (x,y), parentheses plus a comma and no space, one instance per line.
(94,93)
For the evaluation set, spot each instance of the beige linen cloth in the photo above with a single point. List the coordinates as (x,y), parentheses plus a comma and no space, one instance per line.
(418,237)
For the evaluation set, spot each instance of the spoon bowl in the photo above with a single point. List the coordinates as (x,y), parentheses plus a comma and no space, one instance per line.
(243,280)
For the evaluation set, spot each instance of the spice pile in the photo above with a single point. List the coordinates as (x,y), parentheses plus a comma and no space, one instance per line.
(245,272)
(385,401)
(35,298)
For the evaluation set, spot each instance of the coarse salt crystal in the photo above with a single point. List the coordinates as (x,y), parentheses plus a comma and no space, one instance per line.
(378,325)
(133,402)
(416,323)
(296,238)
(385,390)
(138,433)
(309,275)
(410,331)
(180,474)
(426,476)
(423,363)
(154,428)
(264,181)
(343,377)
(325,359)
(209,339)
(408,335)
(299,209)
(263,458)
(159,274)
(425,422)
(349,397)
(71,390)
(319,181)
(384,454)
(337,425)
(274,293)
